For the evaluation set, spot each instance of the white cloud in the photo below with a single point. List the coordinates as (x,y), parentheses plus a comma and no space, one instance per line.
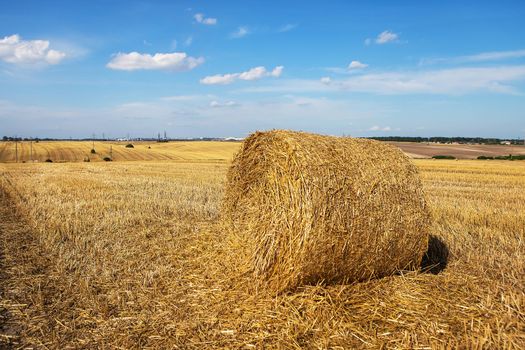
(493,56)
(455,81)
(481,57)
(383,38)
(255,73)
(219,79)
(180,98)
(17,51)
(200,18)
(187,118)
(240,33)
(176,61)
(326,80)
(287,28)
(379,128)
(386,37)
(357,65)
(277,71)
(216,104)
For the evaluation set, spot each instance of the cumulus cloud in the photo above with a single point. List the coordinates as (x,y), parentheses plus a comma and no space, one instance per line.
(200,18)
(255,73)
(176,61)
(384,37)
(17,51)
(240,33)
(277,71)
(357,65)
(223,79)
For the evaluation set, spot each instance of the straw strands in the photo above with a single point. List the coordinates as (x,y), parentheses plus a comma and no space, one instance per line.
(128,255)
(308,208)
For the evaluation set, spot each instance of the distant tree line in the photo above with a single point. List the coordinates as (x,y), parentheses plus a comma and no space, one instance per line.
(435,139)
(440,139)
(11,138)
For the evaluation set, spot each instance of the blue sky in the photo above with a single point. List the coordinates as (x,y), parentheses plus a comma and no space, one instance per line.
(195,68)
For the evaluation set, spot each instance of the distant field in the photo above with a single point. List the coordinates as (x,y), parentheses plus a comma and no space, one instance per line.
(78,151)
(424,150)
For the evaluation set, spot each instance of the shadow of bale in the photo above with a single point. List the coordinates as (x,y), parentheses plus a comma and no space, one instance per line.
(436,258)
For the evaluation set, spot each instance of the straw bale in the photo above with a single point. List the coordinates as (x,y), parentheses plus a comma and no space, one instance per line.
(303,209)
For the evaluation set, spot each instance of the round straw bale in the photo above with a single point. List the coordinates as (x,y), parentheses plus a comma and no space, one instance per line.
(305,209)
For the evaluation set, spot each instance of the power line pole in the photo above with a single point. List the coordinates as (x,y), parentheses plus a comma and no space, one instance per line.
(16,150)
(31,152)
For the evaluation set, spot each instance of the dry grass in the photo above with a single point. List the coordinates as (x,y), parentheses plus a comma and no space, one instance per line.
(78,151)
(127,255)
(303,209)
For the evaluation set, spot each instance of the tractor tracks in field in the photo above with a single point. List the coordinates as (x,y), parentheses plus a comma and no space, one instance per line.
(23,268)
(9,329)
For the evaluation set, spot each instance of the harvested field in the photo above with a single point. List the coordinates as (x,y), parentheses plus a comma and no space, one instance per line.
(460,151)
(128,255)
(78,151)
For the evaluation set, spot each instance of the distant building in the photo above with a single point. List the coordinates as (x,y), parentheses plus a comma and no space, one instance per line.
(233,139)
(505,142)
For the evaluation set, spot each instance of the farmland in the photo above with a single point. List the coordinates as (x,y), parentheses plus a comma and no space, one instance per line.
(78,151)
(130,255)
(460,151)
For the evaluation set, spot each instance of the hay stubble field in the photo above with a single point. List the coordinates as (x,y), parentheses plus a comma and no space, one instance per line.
(78,151)
(127,255)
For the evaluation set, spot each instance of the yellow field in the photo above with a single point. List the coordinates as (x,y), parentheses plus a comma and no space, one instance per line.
(128,255)
(78,151)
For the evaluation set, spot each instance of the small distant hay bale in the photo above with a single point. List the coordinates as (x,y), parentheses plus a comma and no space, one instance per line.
(301,208)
